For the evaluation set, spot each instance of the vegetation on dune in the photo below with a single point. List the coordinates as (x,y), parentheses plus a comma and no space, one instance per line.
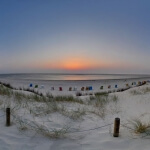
(5,91)
(135,92)
(100,103)
(140,91)
(8,85)
(38,105)
(68,99)
(139,126)
(101,94)
(146,90)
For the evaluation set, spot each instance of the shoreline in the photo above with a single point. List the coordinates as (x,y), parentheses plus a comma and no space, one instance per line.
(70,77)
(86,80)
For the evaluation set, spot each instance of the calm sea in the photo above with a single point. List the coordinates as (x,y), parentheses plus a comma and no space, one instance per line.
(68,76)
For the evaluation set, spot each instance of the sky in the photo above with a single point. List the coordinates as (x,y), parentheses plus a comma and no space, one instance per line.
(75,36)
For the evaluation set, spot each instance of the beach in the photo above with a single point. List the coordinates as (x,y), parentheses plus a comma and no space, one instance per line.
(52,86)
(83,123)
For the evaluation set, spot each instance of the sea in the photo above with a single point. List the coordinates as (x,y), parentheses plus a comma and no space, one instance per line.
(52,76)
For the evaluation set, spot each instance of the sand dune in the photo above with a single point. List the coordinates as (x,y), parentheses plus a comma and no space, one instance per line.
(85,130)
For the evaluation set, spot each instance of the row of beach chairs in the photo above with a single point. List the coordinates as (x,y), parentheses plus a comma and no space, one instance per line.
(88,88)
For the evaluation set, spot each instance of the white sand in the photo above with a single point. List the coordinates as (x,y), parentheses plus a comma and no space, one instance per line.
(129,106)
(96,84)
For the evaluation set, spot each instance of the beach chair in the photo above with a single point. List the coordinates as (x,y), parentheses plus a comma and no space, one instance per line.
(31,85)
(144,82)
(116,86)
(60,88)
(36,86)
(90,88)
(101,87)
(109,86)
(82,89)
(52,88)
(87,88)
(70,88)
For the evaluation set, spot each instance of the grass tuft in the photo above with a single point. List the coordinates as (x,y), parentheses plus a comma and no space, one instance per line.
(68,99)
(101,94)
(114,98)
(146,90)
(140,126)
(135,92)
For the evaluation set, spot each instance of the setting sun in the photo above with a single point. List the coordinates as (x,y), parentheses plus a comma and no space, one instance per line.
(75,64)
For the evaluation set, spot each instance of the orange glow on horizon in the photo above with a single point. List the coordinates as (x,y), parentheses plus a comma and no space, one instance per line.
(73,64)
(70,64)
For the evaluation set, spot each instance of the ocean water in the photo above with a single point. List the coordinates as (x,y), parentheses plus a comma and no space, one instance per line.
(49,77)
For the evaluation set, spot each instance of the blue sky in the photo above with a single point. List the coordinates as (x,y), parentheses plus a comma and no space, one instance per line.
(75,36)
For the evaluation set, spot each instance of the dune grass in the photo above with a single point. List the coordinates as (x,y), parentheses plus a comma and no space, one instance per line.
(135,92)
(5,91)
(140,91)
(100,103)
(68,99)
(139,126)
(37,105)
(101,94)
(75,114)
(113,98)
(146,90)
(24,125)
(8,85)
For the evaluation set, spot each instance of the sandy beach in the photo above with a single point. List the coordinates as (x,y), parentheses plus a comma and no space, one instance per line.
(45,86)
(85,123)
